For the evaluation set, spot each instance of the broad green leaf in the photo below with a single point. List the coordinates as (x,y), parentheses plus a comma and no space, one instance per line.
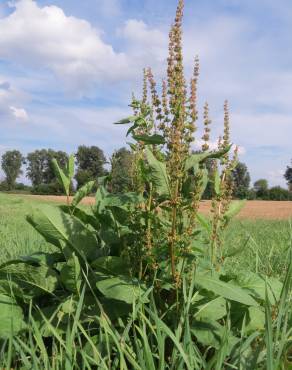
(111,265)
(217,182)
(256,320)
(234,208)
(196,158)
(255,284)
(204,222)
(82,193)
(125,200)
(34,280)
(71,166)
(204,181)
(70,275)
(126,120)
(122,288)
(210,333)
(227,290)
(11,317)
(158,174)
(210,309)
(150,139)
(63,179)
(64,230)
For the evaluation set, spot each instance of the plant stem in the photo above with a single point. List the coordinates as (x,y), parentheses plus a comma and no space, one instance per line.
(173,232)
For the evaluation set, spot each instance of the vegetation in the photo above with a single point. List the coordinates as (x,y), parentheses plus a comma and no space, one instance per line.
(121,175)
(241,181)
(40,170)
(90,164)
(11,165)
(141,280)
(288,176)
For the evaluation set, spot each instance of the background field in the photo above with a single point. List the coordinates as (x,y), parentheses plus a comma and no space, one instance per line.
(262,240)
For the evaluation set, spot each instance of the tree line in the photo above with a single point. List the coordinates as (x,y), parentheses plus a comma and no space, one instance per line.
(91,163)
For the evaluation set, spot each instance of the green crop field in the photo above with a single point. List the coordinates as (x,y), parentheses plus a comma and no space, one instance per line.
(262,245)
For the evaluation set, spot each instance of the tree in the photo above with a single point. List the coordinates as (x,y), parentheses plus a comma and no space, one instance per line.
(288,176)
(261,188)
(278,193)
(90,164)
(241,181)
(41,172)
(121,171)
(11,164)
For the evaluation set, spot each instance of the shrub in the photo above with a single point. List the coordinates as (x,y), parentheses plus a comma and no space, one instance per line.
(278,193)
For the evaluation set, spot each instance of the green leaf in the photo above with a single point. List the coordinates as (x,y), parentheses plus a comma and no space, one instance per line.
(122,288)
(256,320)
(35,280)
(217,182)
(256,285)
(234,208)
(111,265)
(63,230)
(158,174)
(126,120)
(70,275)
(204,181)
(204,222)
(196,158)
(210,309)
(227,290)
(63,179)
(82,193)
(71,166)
(11,317)
(150,139)
(211,333)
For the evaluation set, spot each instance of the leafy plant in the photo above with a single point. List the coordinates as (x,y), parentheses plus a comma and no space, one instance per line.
(138,281)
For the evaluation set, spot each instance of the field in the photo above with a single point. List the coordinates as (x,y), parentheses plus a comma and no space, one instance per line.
(263,229)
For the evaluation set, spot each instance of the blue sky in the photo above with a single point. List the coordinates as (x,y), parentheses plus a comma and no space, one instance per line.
(68,68)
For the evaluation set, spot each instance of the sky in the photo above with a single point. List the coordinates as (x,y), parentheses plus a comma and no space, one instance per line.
(68,69)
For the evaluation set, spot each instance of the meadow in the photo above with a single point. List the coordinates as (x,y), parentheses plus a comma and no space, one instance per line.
(262,244)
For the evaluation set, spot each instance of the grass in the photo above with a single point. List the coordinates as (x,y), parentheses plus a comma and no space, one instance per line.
(263,244)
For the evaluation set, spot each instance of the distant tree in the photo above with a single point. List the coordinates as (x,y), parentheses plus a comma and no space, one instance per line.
(40,170)
(241,181)
(90,164)
(11,164)
(278,193)
(261,188)
(288,176)
(121,171)
(36,166)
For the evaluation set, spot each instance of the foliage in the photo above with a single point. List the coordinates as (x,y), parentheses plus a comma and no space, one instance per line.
(40,170)
(278,193)
(139,280)
(288,176)
(90,164)
(121,175)
(11,165)
(241,181)
(261,188)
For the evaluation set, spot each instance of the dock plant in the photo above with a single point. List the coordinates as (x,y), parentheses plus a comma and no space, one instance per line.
(138,281)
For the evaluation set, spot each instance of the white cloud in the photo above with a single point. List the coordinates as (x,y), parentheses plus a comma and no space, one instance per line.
(10,100)
(70,47)
(19,113)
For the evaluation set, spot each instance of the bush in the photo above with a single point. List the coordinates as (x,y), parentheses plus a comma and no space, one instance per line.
(48,189)
(278,193)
